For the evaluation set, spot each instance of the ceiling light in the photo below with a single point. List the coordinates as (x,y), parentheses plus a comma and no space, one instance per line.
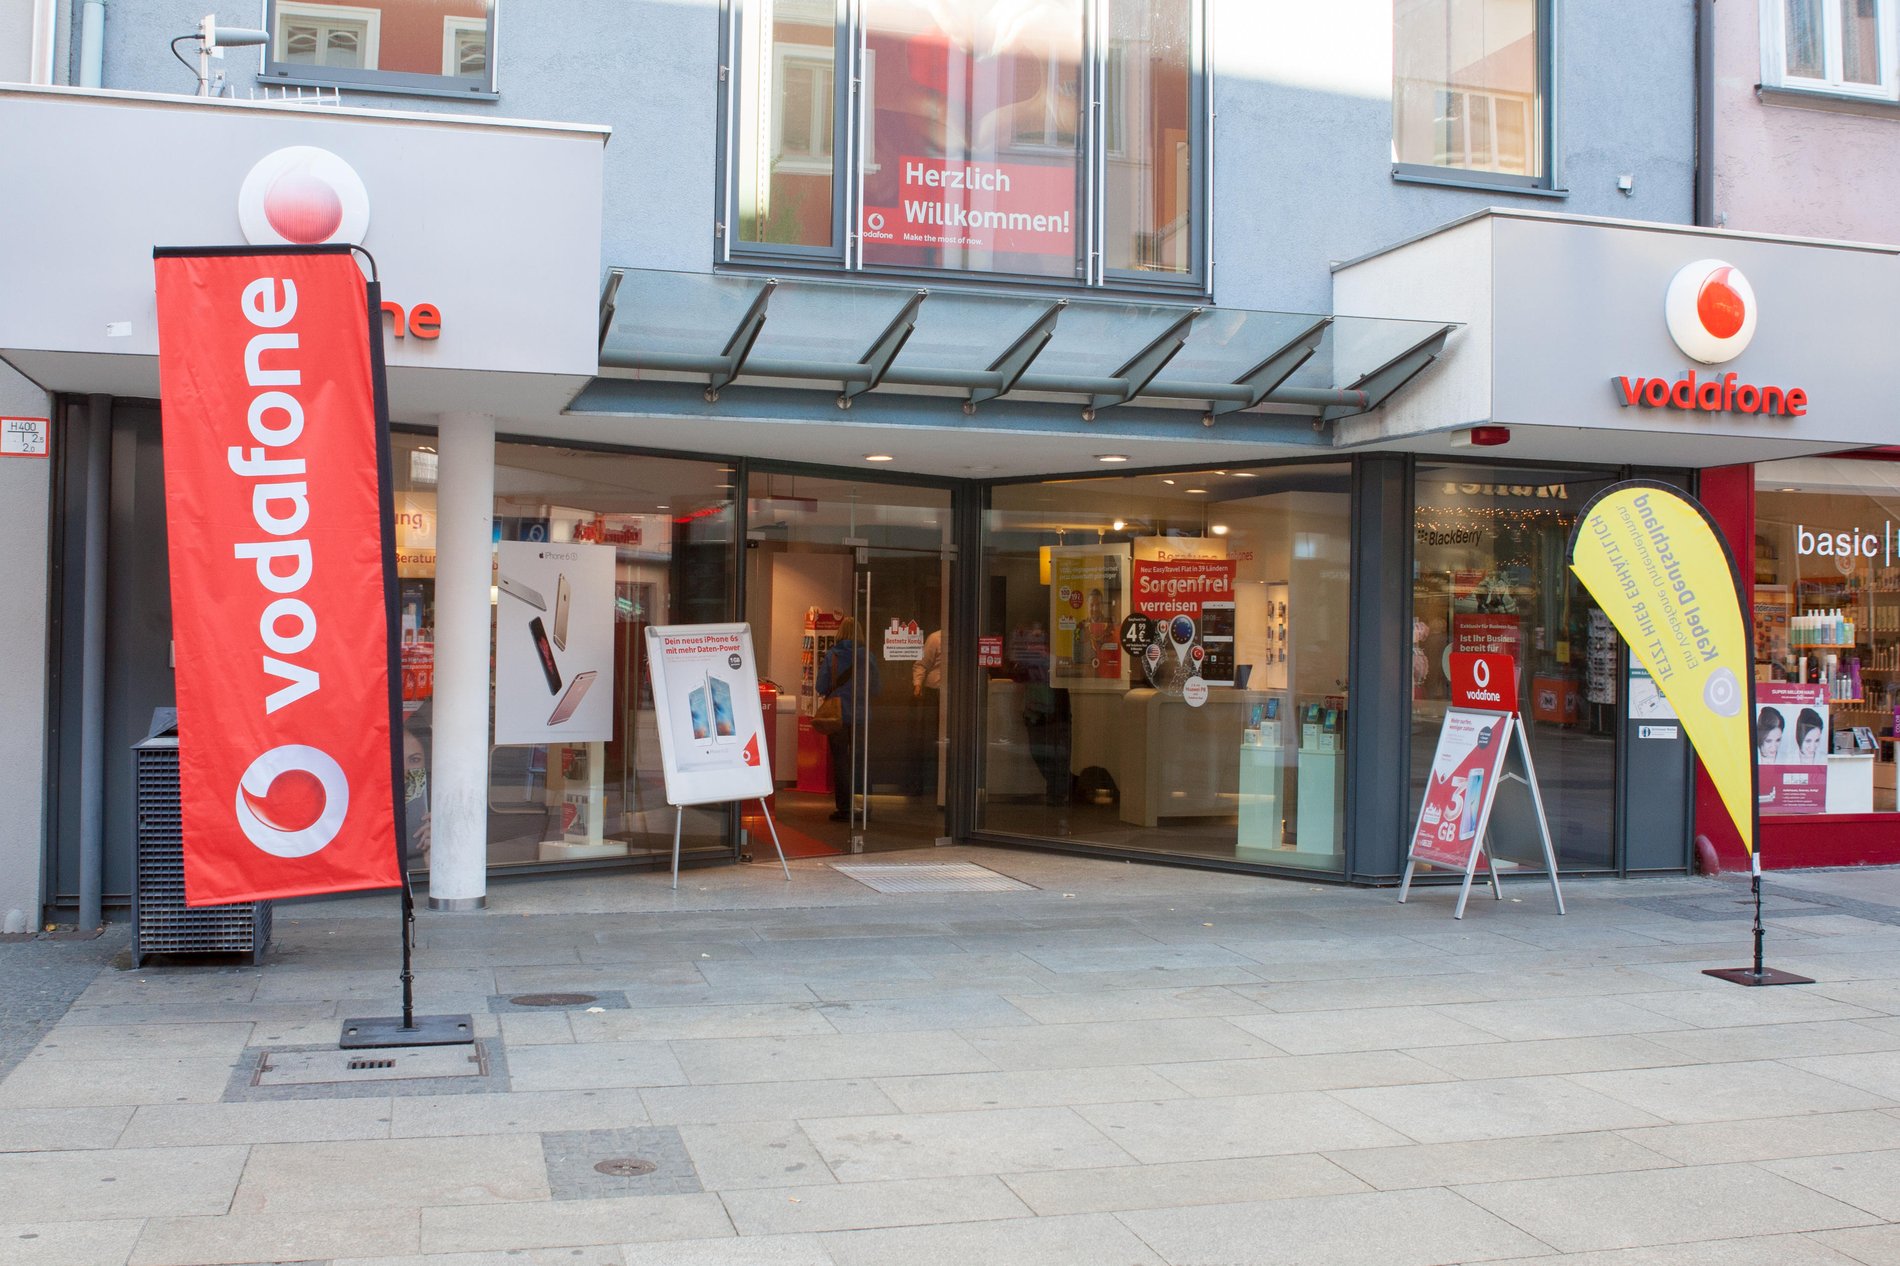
(879,457)
(1219,529)
(1245,474)
(1111,457)
(1197,490)
(1169,482)
(1118,525)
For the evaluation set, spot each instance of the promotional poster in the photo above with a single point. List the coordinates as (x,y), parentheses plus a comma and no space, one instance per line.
(1652,560)
(1464,776)
(554,643)
(1087,600)
(1188,604)
(280,584)
(1791,747)
(706,704)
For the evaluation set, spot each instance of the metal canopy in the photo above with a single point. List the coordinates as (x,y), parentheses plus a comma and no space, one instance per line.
(731,332)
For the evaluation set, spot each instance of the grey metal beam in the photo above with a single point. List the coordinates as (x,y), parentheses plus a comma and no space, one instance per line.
(1379,384)
(1017,357)
(876,361)
(1275,369)
(607,306)
(1141,368)
(733,355)
(967,379)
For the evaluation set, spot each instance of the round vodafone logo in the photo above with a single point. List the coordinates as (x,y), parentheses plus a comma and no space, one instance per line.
(301,196)
(1711,311)
(291,801)
(1481,673)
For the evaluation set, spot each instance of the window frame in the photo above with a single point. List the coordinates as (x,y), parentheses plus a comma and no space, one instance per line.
(1832,83)
(851,162)
(372,79)
(1542,134)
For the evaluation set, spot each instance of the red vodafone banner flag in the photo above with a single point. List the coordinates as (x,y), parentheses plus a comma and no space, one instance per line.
(274,506)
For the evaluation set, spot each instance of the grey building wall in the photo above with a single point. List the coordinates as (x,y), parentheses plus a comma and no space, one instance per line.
(1302,141)
(16,41)
(25,486)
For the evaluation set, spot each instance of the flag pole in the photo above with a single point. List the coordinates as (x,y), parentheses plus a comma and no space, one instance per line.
(408,1029)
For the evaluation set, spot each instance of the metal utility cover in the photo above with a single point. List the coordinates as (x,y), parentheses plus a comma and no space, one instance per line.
(930,877)
(304,1068)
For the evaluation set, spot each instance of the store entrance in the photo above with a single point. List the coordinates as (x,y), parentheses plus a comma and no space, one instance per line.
(847,591)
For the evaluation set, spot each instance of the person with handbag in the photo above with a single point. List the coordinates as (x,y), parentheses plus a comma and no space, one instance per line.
(837,715)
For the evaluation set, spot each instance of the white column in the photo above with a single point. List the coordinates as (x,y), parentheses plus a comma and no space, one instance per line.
(464,552)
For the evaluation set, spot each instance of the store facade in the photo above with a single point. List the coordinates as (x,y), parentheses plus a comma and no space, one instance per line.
(1162,579)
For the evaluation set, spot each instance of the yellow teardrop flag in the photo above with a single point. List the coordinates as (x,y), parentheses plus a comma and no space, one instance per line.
(1652,560)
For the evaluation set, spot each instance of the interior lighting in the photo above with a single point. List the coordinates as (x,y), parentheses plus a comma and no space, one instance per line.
(1197,490)
(1118,525)
(879,457)
(1219,529)
(1111,457)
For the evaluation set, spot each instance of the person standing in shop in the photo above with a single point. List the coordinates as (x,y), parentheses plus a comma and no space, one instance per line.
(838,676)
(926,690)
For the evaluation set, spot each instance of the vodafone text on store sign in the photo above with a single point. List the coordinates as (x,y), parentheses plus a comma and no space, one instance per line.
(1711,312)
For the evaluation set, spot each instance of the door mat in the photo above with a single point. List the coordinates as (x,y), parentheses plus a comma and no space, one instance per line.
(929,877)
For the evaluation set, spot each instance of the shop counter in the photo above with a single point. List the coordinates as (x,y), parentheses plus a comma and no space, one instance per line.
(1174,761)
(1850,782)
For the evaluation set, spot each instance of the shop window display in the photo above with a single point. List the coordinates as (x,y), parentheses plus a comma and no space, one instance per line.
(590,549)
(1491,574)
(1826,573)
(1165,663)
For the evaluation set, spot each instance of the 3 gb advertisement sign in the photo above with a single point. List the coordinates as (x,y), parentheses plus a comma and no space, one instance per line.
(279,559)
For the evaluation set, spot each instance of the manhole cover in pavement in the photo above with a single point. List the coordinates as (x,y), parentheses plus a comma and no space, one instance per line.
(552,999)
(303,1068)
(626,1166)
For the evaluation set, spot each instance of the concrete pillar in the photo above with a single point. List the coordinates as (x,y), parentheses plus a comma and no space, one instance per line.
(464,552)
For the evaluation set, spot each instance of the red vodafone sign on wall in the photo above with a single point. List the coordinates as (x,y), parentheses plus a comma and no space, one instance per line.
(1711,312)
(1484,683)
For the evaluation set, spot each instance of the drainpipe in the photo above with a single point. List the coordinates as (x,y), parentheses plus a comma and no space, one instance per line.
(1705,113)
(92,44)
(92,681)
(45,36)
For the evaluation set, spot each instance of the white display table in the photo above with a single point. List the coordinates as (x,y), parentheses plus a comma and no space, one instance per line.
(1850,782)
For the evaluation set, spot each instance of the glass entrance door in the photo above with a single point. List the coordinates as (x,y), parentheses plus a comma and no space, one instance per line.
(847,591)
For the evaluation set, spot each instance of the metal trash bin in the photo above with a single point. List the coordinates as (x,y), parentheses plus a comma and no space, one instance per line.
(161,922)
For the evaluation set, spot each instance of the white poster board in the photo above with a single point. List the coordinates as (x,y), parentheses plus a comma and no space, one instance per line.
(554,643)
(706,704)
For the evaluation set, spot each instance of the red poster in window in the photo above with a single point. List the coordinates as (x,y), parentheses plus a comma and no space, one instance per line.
(281,560)
(1003,208)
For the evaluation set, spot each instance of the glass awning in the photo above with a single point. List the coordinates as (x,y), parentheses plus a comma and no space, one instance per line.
(728,331)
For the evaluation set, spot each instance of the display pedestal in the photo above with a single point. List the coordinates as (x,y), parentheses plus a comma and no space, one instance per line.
(1322,803)
(577,786)
(1850,782)
(1260,820)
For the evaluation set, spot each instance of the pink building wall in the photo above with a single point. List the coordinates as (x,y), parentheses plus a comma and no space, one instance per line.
(1826,169)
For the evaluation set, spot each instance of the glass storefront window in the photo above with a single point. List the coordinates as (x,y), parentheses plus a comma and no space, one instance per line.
(786,127)
(389,45)
(958,136)
(1827,634)
(1467,88)
(668,525)
(1148,104)
(1165,663)
(1491,574)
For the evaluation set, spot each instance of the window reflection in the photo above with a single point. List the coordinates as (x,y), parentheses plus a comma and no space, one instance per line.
(1467,86)
(1166,663)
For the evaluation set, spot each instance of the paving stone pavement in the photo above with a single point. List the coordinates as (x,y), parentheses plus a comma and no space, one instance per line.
(41,978)
(1121,1064)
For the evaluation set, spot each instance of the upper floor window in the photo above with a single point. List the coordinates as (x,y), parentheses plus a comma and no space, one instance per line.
(1844,46)
(1470,89)
(426,46)
(912,136)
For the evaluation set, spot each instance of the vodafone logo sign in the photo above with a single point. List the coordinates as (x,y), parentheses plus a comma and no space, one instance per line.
(1711,311)
(1481,674)
(302,196)
(291,800)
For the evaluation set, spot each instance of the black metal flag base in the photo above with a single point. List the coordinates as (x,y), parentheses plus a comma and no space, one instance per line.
(1758,974)
(422,1030)
(407,1029)
(1750,976)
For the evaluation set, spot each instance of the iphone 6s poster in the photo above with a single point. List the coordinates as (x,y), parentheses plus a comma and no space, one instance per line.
(706,701)
(554,643)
